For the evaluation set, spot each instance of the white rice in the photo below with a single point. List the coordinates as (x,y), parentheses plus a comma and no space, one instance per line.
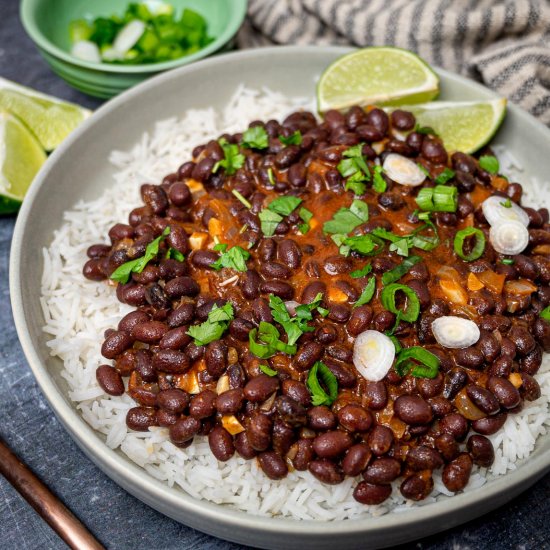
(77,312)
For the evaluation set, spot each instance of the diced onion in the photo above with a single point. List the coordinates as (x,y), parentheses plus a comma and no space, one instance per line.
(373,355)
(494,211)
(509,237)
(128,36)
(403,170)
(455,332)
(87,51)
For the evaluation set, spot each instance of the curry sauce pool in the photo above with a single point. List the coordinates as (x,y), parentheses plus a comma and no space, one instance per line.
(163,455)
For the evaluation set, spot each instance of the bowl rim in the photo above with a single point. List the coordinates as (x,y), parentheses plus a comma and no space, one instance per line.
(177,503)
(27,14)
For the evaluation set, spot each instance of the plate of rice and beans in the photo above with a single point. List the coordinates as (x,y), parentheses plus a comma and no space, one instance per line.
(290,327)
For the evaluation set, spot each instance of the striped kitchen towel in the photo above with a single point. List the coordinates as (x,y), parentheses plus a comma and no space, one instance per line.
(503,43)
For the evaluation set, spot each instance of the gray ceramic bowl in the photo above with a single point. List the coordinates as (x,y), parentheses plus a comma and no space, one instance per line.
(79,170)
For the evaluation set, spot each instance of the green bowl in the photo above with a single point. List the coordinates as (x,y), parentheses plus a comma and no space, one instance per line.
(47,23)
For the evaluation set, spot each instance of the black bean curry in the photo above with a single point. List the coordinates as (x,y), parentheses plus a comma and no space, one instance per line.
(254,268)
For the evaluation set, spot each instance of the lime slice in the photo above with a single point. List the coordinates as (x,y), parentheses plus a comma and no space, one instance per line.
(383,76)
(463,126)
(21,156)
(50,119)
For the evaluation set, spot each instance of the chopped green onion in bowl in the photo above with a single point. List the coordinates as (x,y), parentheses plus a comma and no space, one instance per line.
(145,33)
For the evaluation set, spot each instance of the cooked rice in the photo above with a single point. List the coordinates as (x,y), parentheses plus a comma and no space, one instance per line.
(78,311)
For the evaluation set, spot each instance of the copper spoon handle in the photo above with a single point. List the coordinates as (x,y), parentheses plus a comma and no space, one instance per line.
(50,508)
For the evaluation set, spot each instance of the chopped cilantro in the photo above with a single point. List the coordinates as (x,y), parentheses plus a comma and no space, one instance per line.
(255,138)
(174,254)
(234,258)
(271,216)
(367,294)
(241,199)
(305,216)
(268,370)
(232,161)
(445,176)
(378,182)
(318,374)
(363,272)
(397,272)
(294,139)
(347,219)
(122,273)
(214,327)
(265,342)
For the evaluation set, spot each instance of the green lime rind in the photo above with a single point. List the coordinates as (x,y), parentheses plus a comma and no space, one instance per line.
(376,76)
(463,126)
(50,119)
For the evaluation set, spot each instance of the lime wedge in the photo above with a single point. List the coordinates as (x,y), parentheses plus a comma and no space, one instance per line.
(382,76)
(463,126)
(50,119)
(21,156)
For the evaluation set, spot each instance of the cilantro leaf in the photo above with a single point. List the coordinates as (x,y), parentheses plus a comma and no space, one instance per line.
(175,255)
(401,247)
(305,216)
(347,219)
(122,273)
(367,294)
(264,341)
(445,176)
(294,139)
(233,159)
(255,138)
(489,163)
(356,185)
(363,272)
(214,327)
(284,205)
(234,258)
(423,169)
(379,184)
(354,167)
(269,221)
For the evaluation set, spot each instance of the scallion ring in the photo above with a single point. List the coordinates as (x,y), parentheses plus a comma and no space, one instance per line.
(418,361)
(412,309)
(441,198)
(478,247)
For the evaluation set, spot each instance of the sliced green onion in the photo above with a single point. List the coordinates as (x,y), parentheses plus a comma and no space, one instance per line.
(479,245)
(321,373)
(268,370)
(241,198)
(545,313)
(507,261)
(412,308)
(397,272)
(441,198)
(445,176)
(363,272)
(408,359)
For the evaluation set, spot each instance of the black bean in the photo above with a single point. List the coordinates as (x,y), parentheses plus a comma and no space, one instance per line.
(216,358)
(281,289)
(283,437)
(531,363)
(481,450)
(182,315)
(303,454)
(203,404)
(456,474)
(380,440)
(359,320)
(149,332)
(424,458)
(259,388)
(345,377)
(402,120)
(175,338)
(243,447)
(379,119)
(203,258)
(289,253)
(355,418)
(290,411)
(92,270)
(240,328)
(529,389)
(230,401)
(506,393)
(170,269)
(221,443)
(448,447)
(144,365)
(130,320)
(483,399)
(430,387)
(382,470)
(140,419)
(155,197)
(258,431)
(454,424)
(368,493)
(391,201)
(326,471)
(181,286)
(262,311)
(490,424)
(275,270)
(273,465)
(297,391)
(413,410)
(250,284)
(173,400)
(383,320)
(337,265)
(132,294)
(311,290)
(433,150)
(440,406)
(171,361)
(115,344)
(321,418)
(326,334)
(184,429)
(109,380)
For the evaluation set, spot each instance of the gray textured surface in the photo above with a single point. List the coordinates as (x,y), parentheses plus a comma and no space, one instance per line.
(118,520)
